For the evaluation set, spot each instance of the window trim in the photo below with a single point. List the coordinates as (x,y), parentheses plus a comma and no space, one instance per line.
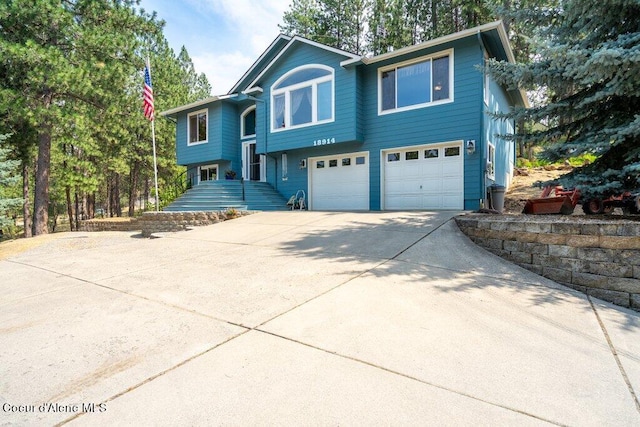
(196,113)
(208,166)
(286,91)
(244,114)
(424,58)
(491,161)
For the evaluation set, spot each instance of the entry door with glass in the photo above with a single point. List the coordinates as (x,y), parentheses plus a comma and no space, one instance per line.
(253,164)
(208,173)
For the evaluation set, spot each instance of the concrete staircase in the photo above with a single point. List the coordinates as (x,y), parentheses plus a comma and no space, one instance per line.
(222,195)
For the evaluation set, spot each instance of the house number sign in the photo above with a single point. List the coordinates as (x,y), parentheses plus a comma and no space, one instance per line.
(324,141)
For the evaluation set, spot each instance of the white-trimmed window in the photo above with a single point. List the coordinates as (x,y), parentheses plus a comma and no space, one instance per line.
(491,161)
(302,97)
(197,127)
(248,123)
(417,83)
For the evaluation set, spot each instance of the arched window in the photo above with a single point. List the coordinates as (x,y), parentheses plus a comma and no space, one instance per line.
(248,122)
(302,97)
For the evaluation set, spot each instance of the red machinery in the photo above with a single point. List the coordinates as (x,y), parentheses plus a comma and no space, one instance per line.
(630,204)
(563,202)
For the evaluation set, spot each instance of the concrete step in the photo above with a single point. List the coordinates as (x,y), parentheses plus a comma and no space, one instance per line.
(221,195)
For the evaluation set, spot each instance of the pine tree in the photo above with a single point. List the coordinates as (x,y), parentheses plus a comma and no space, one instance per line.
(337,23)
(9,177)
(60,53)
(591,70)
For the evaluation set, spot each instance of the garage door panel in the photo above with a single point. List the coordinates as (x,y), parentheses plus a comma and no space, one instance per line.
(432,181)
(344,186)
(453,184)
(434,202)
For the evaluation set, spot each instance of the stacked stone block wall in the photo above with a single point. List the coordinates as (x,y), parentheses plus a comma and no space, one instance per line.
(598,257)
(156,222)
(130,224)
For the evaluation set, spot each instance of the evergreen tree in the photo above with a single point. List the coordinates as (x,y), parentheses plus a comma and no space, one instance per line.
(60,53)
(337,23)
(302,19)
(591,70)
(9,177)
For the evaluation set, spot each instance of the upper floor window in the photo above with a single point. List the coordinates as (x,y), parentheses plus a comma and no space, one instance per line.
(248,122)
(302,97)
(197,127)
(416,83)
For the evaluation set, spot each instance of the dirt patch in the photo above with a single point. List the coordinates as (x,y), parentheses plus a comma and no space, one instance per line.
(14,247)
(526,186)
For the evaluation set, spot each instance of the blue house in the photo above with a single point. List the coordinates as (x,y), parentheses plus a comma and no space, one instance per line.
(408,129)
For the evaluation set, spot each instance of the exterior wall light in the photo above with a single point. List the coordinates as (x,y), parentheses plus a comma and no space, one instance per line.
(471,146)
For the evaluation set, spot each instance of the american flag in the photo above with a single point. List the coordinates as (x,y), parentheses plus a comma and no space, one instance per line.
(147,93)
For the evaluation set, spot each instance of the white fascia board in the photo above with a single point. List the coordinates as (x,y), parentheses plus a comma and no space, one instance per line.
(354,61)
(255,89)
(295,39)
(257,61)
(441,40)
(199,103)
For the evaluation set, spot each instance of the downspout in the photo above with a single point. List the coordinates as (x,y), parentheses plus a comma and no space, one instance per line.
(483,161)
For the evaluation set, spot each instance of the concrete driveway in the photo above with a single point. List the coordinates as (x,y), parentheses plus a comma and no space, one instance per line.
(305,318)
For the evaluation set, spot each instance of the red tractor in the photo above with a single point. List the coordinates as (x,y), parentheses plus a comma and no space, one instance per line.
(630,204)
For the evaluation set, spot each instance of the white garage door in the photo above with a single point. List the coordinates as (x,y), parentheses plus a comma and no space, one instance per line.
(424,177)
(339,182)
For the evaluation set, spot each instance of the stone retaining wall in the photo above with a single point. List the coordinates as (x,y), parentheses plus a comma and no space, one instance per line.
(156,222)
(598,257)
(129,224)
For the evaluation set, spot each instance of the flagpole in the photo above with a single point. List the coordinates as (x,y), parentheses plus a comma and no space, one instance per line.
(155,164)
(153,138)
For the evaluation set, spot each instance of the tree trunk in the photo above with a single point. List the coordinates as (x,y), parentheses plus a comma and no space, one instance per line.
(26,213)
(91,205)
(77,212)
(147,193)
(116,195)
(133,187)
(41,200)
(434,19)
(67,193)
(108,198)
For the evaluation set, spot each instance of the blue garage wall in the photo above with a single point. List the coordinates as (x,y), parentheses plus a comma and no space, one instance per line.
(458,120)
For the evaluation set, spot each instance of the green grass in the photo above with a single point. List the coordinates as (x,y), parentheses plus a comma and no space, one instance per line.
(574,162)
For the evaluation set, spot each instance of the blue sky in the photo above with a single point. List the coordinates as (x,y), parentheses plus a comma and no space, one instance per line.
(223,37)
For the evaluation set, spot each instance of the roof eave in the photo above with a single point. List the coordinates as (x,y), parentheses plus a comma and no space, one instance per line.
(441,40)
(173,111)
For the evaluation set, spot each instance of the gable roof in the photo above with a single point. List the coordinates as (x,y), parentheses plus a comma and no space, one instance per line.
(274,48)
(295,40)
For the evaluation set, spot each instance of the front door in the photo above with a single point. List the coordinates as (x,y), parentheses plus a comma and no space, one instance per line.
(252,163)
